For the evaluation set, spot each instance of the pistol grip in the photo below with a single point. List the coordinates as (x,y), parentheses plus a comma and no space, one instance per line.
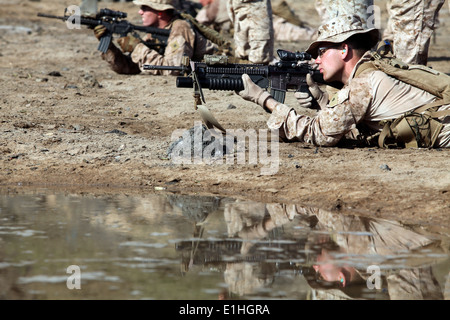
(305,88)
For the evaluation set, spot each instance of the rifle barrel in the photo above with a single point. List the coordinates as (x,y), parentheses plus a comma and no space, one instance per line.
(44,15)
(152,67)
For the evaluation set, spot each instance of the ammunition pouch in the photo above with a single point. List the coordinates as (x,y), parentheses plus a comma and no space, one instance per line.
(411,130)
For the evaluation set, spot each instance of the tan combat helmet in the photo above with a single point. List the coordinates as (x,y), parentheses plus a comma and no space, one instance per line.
(341,28)
(159,5)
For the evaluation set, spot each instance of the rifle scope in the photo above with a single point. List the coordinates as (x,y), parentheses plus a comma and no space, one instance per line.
(111,13)
(293,56)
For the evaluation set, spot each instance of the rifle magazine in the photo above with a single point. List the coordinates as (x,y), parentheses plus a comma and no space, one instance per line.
(104,43)
(278,95)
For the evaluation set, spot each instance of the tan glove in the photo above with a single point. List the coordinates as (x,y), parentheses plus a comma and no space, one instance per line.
(99,31)
(128,43)
(252,92)
(306,101)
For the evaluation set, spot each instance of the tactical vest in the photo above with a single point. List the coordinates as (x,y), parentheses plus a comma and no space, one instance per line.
(420,127)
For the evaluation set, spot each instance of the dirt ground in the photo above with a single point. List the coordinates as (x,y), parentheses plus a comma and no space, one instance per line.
(70,123)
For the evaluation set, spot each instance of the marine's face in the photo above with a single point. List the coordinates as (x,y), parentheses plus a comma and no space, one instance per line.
(149,16)
(329,61)
(329,271)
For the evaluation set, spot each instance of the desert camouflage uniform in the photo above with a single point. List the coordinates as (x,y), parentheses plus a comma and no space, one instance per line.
(183,40)
(214,16)
(328,9)
(253,29)
(410,26)
(369,98)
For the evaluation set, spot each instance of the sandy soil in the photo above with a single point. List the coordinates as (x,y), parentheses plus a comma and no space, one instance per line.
(70,123)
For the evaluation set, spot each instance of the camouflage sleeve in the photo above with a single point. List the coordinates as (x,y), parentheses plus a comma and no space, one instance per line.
(180,42)
(120,62)
(343,113)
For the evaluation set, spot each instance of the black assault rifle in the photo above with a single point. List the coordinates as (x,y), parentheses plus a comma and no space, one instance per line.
(115,23)
(215,73)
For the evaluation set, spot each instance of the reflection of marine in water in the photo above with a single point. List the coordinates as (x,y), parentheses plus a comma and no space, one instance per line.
(377,241)
(331,250)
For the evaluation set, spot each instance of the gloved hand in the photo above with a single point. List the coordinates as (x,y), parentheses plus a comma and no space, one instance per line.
(99,31)
(305,100)
(252,92)
(128,43)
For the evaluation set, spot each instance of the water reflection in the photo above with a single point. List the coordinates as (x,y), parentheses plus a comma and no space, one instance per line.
(188,247)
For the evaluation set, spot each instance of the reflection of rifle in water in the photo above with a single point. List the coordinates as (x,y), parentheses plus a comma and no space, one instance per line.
(219,252)
(215,73)
(115,24)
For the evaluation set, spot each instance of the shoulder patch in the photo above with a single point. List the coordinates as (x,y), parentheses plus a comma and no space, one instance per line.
(340,97)
(174,45)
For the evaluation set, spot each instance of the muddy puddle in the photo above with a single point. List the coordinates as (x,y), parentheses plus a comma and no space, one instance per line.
(172,247)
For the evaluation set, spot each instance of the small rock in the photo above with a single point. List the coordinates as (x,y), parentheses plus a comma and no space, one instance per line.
(55,74)
(120,133)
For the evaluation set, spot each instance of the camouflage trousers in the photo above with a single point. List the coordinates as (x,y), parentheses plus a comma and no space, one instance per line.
(410,27)
(253,29)
(328,9)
